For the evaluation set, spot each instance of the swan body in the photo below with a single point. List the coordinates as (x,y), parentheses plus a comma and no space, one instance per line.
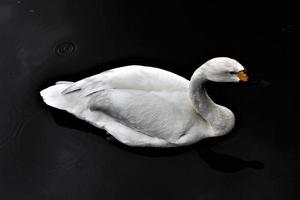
(147,106)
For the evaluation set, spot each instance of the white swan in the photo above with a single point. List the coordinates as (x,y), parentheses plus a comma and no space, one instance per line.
(146,106)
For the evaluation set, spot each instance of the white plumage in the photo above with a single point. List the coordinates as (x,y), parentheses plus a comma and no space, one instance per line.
(147,106)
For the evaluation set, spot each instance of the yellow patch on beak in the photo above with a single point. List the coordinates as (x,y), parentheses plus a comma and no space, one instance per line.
(242,75)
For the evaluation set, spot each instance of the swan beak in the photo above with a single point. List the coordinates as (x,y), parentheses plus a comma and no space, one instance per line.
(242,75)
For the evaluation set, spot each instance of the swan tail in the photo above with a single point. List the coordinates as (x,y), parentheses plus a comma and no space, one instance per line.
(54,97)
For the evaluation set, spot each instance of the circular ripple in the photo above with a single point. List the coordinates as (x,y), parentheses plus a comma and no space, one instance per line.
(9,125)
(40,143)
(66,49)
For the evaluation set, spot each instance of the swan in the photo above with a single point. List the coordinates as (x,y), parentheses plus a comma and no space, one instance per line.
(150,107)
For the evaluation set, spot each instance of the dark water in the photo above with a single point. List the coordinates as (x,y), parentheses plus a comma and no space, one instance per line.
(49,154)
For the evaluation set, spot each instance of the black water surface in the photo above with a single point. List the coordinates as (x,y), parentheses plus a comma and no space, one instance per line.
(49,154)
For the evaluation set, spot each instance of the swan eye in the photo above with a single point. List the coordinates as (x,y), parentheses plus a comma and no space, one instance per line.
(237,73)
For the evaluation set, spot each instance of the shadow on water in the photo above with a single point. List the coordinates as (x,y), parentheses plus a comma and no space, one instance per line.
(217,161)
(224,162)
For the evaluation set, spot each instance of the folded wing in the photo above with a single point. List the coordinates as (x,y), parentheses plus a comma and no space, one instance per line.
(130,77)
(155,114)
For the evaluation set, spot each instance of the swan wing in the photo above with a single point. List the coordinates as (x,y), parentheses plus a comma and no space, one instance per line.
(130,77)
(155,114)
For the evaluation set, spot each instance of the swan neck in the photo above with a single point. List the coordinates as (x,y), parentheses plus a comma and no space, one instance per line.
(202,103)
(220,118)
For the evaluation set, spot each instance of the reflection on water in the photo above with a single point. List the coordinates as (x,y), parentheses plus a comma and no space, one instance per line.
(217,161)
(226,163)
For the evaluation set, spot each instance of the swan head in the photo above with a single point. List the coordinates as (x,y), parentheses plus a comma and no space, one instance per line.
(223,69)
